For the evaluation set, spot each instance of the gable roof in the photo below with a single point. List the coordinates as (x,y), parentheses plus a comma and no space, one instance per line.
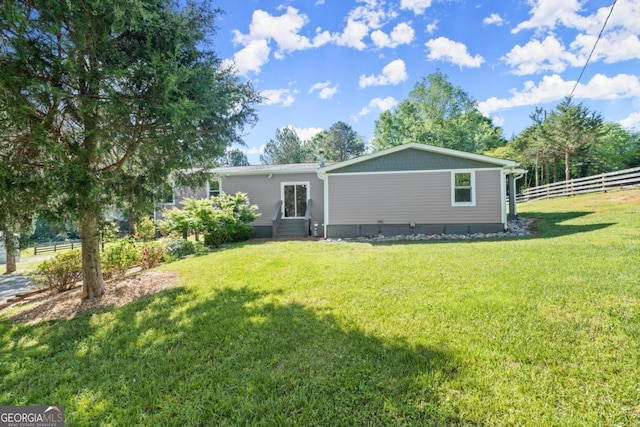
(422,147)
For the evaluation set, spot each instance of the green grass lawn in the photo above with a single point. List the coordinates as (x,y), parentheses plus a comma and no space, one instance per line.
(537,331)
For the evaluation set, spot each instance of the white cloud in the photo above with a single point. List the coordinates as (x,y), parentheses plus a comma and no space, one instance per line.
(613,47)
(372,14)
(393,73)
(417,6)
(252,151)
(252,57)
(498,120)
(353,35)
(280,97)
(444,49)
(547,13)
(283,29)
(305,134)
(493,19)
(326,90)
(553,88)
(401,34)
(263,29)
(381,104)
(539,56)
(632,121)
(431,27)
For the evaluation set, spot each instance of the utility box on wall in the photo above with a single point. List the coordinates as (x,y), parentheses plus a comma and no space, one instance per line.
(317,229)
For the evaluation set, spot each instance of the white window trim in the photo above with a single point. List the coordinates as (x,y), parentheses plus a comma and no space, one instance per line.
(209,188)
(283,184)
(453,187)
(173,198)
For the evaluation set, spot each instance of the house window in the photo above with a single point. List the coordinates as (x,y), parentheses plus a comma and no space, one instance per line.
(169,197)
(463,189)
(214,188)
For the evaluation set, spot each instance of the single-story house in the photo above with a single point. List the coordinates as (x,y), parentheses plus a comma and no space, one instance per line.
(408,189)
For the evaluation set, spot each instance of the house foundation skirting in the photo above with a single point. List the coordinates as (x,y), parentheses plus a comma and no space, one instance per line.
(366,230)
(263,231)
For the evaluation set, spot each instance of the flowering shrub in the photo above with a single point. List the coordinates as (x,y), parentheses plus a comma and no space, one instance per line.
(152,254)
(145,229)
(120,256)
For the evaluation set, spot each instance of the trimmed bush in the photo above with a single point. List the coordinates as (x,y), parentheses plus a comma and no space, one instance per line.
(61,272)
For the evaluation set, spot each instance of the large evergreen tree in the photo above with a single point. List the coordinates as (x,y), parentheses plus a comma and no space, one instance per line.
(342,143)
(109,92)
(287,147)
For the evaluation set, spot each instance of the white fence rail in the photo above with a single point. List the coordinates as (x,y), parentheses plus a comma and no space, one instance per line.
(607,181)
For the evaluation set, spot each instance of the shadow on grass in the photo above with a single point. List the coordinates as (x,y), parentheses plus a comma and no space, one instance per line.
(238,357)
(550,224)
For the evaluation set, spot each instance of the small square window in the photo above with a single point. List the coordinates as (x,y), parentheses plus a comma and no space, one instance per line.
(169,198)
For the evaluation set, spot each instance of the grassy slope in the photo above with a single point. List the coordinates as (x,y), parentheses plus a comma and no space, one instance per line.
(536,331)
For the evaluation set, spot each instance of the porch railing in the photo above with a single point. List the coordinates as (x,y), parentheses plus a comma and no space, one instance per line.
(307,217)
(275,218)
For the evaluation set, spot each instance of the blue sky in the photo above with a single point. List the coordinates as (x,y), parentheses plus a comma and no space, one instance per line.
(317,62)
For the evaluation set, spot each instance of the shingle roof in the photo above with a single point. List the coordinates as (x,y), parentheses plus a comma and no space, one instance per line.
(265,169)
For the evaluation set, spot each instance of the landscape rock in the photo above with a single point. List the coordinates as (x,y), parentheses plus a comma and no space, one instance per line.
(515,228)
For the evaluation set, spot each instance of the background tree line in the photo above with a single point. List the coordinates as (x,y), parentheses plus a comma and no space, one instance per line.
(569,141)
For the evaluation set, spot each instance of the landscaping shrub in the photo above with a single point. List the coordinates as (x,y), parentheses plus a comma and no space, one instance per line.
(119,257)
(61,272)
(152,254)
(178,248)
(221,219)
(145,229)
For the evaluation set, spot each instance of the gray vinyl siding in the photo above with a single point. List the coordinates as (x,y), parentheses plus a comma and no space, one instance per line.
(413,160)
(265,192)
(404,198)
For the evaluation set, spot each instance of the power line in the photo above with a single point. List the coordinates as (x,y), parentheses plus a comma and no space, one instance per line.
(594,48)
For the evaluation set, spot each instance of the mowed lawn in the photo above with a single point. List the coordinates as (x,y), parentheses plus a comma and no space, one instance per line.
(536,331)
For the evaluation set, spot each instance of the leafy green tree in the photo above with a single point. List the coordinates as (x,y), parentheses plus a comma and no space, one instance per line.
(286,148)
(616,149)
(438,113)
(342,143)
(103,93)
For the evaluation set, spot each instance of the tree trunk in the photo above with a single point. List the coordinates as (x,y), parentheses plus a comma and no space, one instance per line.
(10,248)
(92,281)
(567,169)
(132,222)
